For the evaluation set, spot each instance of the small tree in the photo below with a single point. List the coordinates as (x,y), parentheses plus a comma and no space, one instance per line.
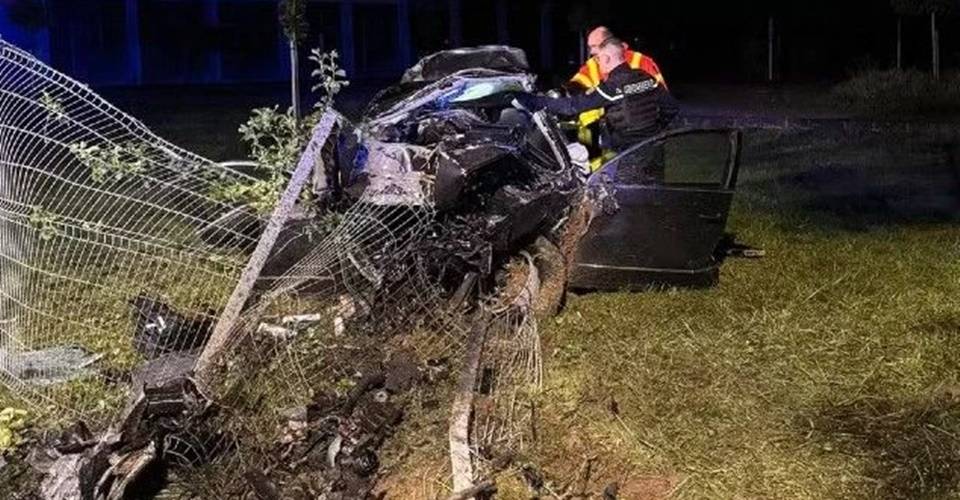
(293,19)
(276,140)
(933,8)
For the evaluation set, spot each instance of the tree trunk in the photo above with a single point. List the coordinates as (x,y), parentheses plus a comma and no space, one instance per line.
(935,42)
(899,43)
(770,37)
(132,21)
(295,79)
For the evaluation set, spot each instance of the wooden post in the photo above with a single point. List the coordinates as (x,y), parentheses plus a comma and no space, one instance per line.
(770,28)
(224,330)
(461,460)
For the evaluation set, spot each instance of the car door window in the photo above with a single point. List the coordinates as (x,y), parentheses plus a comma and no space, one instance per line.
(694,159)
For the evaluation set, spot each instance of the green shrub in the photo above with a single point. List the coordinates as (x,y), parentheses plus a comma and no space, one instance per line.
(276,139)
(12,423)
(891,93)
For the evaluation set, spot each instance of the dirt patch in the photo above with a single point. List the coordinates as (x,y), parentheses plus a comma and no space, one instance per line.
(647,488)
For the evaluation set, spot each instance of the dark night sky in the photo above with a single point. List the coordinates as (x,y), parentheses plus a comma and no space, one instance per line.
(817,40)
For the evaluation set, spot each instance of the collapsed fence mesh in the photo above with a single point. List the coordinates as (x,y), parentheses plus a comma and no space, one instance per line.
(118,252)
(99,219)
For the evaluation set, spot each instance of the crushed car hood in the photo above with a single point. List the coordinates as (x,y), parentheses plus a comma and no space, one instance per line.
(447,136)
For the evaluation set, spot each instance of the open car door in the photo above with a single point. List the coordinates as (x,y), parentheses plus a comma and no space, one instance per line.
(672,196)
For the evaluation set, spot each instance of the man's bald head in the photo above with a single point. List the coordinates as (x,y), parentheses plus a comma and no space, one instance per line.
(610,54)
(597,37)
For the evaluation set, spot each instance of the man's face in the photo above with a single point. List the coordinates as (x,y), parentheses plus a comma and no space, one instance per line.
(607,61)
(594,40)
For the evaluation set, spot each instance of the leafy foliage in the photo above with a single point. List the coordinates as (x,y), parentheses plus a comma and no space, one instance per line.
(110,163)
(330,77)
(276,139)
(293,19)
(53,106)
(12,422)
(43,221)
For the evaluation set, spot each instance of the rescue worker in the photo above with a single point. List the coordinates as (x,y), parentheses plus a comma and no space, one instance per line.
(636,104)
(590,76)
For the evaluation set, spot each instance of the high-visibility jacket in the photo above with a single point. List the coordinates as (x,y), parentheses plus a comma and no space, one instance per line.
(590,76)
(636,105)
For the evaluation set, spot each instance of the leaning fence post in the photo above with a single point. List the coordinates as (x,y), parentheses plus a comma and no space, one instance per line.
(224,330)
(461,459)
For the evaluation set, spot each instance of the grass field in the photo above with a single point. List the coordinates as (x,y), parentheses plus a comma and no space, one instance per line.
(828,369)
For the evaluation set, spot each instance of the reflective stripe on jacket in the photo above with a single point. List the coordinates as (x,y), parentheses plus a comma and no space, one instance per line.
(637,106)
(590,76)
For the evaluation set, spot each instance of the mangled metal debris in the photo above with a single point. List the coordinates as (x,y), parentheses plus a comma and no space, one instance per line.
(81,465)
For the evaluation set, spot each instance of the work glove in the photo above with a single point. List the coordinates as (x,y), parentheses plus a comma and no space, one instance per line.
(528,102)
(572,88)
(556,93)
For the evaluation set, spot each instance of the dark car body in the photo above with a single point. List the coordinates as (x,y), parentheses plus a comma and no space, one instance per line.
(510,173)
(663,231)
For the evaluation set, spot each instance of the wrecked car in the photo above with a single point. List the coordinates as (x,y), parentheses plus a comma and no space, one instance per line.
(448,136)
(451,120)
